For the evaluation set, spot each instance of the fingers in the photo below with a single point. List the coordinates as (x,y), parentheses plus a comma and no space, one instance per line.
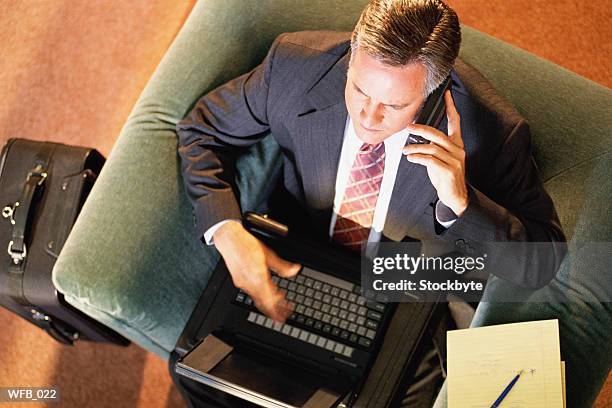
(275,307)
(281,266)
(436,151)
(271,302)
(436,137)
(428,161)
(433,135)
(454,121)
(248,261)
(269,299)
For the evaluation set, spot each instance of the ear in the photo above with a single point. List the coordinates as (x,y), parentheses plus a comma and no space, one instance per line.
(352,50)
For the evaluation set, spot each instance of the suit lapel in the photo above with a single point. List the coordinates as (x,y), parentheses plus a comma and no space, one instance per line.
(321,141)
(322,121)
(412,193)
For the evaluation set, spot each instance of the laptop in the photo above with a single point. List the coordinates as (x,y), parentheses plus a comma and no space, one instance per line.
(318,358)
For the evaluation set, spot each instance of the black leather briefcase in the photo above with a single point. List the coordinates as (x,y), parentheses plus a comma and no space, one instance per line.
(42,188)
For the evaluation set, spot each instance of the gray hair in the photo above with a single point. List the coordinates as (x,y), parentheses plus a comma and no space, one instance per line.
(403,32)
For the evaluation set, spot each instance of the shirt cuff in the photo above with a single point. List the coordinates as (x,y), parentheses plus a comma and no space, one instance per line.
(208,235)
(444,215)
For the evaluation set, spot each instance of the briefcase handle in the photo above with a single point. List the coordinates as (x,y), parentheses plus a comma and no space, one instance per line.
(20,214)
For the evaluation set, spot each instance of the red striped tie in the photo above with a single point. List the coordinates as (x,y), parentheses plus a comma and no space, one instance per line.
(354,219)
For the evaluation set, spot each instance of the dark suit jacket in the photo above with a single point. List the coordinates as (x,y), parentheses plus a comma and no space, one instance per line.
(297,93)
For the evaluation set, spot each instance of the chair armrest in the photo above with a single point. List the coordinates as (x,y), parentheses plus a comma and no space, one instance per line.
(131,260)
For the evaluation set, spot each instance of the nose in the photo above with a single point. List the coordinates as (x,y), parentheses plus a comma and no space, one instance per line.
(370,115)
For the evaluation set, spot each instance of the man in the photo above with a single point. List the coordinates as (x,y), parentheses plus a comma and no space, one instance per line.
(336,108)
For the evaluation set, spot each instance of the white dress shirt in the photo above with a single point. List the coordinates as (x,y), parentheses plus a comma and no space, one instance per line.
(350,146)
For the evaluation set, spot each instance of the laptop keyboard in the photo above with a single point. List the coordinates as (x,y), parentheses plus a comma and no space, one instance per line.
(329,312)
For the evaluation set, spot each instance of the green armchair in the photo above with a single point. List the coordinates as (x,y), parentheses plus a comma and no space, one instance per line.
(133,262)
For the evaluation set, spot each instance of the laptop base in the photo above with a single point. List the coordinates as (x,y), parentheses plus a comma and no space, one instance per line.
(257,379)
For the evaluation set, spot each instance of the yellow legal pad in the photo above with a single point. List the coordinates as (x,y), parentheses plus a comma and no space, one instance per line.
(482,361)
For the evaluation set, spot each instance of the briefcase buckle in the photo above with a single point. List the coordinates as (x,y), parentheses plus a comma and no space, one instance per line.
(8,211)
(17,256)
(37,172)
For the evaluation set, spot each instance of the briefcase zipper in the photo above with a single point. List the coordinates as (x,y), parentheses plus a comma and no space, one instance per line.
(4,155)
(8,210)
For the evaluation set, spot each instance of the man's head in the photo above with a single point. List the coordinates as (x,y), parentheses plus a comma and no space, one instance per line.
(401,50)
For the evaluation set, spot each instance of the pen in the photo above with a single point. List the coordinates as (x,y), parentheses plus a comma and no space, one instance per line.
(506,391)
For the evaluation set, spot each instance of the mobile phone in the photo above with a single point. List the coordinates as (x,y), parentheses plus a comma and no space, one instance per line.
(432,112)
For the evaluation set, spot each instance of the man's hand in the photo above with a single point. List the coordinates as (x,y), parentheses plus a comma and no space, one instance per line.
(444,158)
(248,261)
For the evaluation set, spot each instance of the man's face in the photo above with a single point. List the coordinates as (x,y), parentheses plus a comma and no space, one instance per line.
(382,99)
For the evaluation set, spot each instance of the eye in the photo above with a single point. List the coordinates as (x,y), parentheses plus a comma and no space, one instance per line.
(395,107)
(360,92)
(361,95)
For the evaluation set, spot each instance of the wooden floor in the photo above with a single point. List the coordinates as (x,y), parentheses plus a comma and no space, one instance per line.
(70,71)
